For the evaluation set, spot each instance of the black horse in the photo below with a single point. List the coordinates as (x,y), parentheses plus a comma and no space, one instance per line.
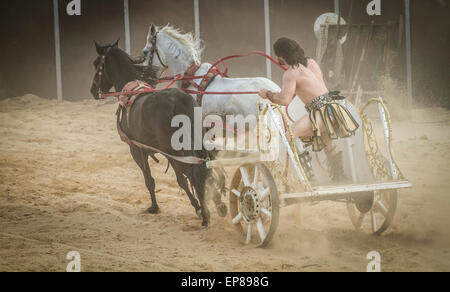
(149,123)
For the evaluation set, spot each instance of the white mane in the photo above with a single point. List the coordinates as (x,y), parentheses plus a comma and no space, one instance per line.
(186,39)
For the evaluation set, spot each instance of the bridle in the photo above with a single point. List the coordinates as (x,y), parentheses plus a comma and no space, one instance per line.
(154,50)
(97,81)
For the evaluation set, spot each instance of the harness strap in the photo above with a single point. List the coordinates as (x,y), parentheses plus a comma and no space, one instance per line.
(204,83)
(127,100)
(184,159)
(190,72)
(154,50)
(100,70)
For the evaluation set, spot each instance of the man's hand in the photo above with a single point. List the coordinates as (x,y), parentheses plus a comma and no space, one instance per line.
(266,94)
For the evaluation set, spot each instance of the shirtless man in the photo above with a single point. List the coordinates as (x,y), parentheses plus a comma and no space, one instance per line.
(327,120)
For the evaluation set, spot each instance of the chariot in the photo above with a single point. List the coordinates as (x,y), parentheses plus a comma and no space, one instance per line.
(263,183)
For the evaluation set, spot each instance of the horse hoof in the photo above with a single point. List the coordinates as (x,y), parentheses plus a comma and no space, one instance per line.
(205,224)
(153,210)
(222,209)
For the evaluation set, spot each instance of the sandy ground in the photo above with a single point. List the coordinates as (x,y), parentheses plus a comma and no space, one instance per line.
(67,183)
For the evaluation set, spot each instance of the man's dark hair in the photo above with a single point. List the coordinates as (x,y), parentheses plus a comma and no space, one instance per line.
(291,51)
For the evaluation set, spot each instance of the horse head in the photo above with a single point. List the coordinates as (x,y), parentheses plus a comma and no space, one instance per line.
(153,56)
(169,47)
(101,83)
(114,67)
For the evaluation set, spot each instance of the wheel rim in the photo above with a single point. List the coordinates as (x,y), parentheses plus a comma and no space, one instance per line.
(382,213)
(254,206)
(379,217)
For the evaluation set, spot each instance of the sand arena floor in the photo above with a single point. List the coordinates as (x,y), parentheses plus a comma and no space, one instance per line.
(67,183)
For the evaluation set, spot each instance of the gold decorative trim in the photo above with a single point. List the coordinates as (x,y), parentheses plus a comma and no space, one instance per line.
(374,158)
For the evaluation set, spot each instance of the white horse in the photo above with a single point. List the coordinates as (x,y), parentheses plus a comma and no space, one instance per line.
(178,51)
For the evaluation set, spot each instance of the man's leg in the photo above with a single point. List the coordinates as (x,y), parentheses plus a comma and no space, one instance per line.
(303,129)
(334,155)
(330,146)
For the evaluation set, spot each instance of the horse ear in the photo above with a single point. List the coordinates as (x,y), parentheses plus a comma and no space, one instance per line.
(100,50)
(116,44)
(152,29)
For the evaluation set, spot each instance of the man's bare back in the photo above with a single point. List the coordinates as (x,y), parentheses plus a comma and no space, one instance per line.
(309,81)
(305,82)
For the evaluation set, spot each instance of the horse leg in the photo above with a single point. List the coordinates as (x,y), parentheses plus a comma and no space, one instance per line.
(216,185)
(198,180)
(183,183)
(141,159)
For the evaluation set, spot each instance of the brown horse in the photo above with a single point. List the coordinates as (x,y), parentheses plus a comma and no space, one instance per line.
(149,123)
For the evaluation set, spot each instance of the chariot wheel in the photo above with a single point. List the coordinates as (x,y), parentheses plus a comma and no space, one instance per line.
(254,204)
(373,212)
(380,214)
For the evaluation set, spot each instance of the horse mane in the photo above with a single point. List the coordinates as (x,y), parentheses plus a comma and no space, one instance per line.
(187,39)
(143,73)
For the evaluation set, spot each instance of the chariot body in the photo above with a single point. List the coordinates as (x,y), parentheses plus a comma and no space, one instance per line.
(265,182)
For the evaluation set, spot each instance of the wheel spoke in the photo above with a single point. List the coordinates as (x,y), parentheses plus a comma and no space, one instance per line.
(255,179)
(266,212)
(383,210)
(249,233)
(360,220)
(236,192)
(237,219)
(373,220)
(264,194)
(245,177)
(261,231)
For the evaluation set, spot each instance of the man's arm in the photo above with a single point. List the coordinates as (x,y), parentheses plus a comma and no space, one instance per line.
(287,91)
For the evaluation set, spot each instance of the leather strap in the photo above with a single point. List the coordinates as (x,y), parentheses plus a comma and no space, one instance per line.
(190,72)
(126,101)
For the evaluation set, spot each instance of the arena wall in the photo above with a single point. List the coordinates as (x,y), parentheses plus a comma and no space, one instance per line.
(227,27)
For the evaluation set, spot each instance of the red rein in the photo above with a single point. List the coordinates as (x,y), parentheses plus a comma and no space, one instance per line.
(173,79)
(180,77)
